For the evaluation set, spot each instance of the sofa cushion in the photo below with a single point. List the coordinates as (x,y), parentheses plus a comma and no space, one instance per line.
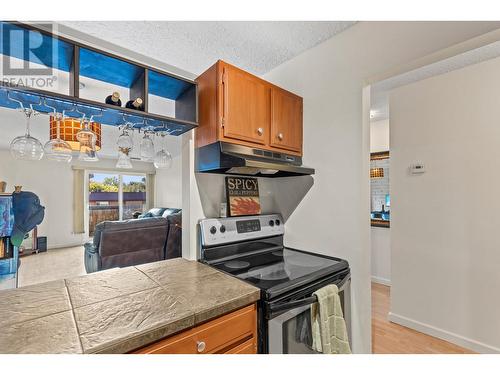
(170,211)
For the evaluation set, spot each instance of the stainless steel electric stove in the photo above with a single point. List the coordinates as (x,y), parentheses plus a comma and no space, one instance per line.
(251,248)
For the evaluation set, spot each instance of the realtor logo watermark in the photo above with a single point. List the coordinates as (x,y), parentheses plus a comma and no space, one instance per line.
(28,57)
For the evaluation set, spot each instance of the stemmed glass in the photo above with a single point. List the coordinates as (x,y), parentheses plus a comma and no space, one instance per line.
(125,145)
(163,158)
(87,140)
(26,147)
(147,147)
(57,149)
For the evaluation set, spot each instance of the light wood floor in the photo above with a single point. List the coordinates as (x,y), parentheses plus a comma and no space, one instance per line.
(391,338)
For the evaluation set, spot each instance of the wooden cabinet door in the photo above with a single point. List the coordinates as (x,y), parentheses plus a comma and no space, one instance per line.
(286,120)
(246,106)
(233,333)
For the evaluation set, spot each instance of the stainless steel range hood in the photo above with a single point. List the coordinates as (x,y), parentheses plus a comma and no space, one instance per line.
(228,158)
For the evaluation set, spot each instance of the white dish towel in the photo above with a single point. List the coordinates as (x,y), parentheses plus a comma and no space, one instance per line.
(329,330)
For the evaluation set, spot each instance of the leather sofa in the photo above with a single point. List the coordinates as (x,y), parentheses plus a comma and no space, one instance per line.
(132,242)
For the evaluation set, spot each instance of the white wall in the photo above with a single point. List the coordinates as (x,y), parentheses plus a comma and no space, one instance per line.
(379,135)
(168,188)
(445,243)
(381,255)
(333,218)
(53,182)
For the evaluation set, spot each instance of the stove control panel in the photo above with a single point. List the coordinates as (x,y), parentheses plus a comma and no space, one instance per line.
(234,229)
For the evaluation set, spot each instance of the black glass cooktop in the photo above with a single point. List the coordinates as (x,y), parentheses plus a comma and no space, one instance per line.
(282,268)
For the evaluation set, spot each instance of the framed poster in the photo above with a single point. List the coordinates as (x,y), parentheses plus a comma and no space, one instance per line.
(242,194)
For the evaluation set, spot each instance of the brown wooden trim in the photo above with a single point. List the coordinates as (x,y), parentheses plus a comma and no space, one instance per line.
(381,223)
(379,155)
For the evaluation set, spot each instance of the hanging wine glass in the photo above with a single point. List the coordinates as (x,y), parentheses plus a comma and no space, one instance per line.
(87,141)
(147,148)
(125,145)
(163,158)
(57,149)
(123,161)
(26,147)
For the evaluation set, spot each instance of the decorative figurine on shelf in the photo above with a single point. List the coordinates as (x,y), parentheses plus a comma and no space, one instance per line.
(17,188)
(114,99)
(3,186)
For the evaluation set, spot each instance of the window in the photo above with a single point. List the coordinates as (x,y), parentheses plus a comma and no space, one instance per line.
(114,196)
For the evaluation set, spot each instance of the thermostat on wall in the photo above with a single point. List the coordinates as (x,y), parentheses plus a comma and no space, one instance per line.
(417,168)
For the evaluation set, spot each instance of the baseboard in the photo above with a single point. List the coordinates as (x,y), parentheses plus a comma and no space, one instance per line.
(61,246)
(462,341)
(381,280)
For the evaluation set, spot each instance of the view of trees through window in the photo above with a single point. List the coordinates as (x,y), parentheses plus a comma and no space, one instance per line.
(115,197)
(112,183)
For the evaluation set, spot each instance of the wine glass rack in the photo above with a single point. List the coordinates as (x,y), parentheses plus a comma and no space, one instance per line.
(83,61)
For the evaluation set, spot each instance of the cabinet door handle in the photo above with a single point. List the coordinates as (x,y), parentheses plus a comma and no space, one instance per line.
(280,136)
(200,346)
(260,131)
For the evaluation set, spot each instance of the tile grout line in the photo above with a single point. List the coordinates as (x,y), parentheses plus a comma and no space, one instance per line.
(43,315)
(74,317)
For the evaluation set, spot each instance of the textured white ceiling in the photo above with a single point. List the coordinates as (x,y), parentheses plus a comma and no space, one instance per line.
(380,90)
(255,46)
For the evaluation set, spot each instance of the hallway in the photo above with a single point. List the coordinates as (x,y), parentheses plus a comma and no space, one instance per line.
(391,338)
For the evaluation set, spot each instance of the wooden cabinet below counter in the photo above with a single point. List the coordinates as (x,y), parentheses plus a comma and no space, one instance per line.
(237,107)
(234,333)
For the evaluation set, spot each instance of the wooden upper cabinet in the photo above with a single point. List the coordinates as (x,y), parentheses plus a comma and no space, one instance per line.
(246,106)
(286,120)
(238,107)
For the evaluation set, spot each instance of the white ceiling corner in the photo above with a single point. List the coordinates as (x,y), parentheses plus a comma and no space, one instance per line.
(380,90)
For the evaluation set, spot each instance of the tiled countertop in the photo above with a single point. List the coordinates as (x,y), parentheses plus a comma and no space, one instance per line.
(118,310)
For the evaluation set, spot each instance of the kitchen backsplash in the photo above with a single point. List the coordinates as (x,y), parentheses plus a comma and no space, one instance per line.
(276,194)
(379,186)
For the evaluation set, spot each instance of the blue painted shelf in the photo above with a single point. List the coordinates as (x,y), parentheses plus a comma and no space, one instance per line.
(108,69)
(52,52)
(85,61)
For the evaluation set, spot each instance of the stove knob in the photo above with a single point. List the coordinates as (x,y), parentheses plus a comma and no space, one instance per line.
(271,223)
(277,222)
(213,230)
(222,228)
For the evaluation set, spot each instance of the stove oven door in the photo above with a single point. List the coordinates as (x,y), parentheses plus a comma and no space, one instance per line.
(290,332)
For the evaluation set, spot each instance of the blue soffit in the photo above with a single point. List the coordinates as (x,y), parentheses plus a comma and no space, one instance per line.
(166,86)
(34,46)
(108,69)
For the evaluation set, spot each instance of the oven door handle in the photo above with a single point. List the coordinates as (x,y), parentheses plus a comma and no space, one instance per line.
(290,305)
